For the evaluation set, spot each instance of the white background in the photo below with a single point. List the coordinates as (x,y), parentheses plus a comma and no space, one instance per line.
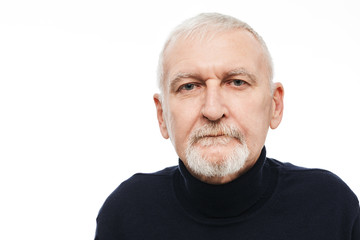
(76,110)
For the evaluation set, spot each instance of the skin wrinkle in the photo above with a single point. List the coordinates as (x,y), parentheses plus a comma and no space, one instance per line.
(205,27)
(237,72)
(251,108)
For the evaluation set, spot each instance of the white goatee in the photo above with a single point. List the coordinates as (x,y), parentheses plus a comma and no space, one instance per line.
(216,134)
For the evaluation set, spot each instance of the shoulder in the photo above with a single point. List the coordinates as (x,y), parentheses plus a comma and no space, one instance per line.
(140,196)
(140,180)
(311,178)
(138,189)
(316,185)
(307,174)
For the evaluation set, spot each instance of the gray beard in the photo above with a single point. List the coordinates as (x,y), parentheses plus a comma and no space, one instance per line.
(231,163)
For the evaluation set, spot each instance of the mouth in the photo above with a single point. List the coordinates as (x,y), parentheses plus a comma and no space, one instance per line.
(212,136)
(216,134)
(212,140)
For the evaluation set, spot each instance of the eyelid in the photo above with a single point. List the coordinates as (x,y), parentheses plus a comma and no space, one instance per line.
(181,87)
(237,79)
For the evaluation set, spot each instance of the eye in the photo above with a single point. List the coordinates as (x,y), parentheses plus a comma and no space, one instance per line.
(187,87)
(238,82)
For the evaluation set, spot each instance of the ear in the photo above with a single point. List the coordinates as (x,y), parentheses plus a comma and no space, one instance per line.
(277,105)
(160,116)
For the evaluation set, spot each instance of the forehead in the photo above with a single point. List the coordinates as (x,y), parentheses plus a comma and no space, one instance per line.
(213,55)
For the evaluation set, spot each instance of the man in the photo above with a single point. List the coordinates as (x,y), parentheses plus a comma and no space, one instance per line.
(216,105)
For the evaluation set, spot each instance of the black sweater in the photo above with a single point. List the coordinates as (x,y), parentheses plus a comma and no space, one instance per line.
(273,200)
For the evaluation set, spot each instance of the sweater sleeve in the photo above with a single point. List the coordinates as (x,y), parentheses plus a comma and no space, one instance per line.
(356,228)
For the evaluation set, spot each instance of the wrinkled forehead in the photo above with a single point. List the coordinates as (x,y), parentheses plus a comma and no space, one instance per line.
(177,45)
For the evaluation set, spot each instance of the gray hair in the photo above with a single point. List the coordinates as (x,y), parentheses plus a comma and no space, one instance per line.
(201,26)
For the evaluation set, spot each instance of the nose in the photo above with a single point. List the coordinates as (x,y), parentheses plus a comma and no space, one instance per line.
(214,105)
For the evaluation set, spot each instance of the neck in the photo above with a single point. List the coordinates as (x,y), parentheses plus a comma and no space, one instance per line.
(225,200)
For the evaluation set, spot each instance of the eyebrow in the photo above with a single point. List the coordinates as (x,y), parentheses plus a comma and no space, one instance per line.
(241,72)
(234,72)
(179,76)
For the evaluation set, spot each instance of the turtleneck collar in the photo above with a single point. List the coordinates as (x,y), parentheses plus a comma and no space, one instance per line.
(223,201)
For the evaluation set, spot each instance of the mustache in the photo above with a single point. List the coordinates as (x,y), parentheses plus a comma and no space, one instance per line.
(215,130)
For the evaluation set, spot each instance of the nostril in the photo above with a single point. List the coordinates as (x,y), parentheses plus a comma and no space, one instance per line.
(214,107)
(213,119)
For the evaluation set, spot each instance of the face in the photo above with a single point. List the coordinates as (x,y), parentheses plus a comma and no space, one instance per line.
(218,81)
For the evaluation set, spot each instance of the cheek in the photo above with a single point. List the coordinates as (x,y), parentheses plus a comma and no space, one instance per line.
(181,119)
(253,117)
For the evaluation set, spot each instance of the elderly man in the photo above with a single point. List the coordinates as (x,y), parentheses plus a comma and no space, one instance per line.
(216,105)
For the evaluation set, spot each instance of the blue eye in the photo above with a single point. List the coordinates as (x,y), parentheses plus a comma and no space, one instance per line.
(188,86)
(238,82)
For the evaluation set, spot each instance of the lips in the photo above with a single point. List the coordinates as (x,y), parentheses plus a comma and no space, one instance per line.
(218,135)
(212,140)
(214,134)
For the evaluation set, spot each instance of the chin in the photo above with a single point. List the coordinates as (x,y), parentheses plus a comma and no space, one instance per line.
(215,157)
(216,161)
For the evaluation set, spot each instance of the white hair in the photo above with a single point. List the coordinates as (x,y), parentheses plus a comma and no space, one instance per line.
(230,163)
(208,25)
